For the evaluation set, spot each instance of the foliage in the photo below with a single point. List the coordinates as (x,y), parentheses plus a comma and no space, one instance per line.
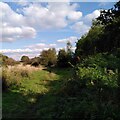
(92,91)
(25,59)
(56,95)
(108,61)
(5,60)
(103,35)
(62,58)
(93,76)
(34,97)
(87,44)
(35,61)
(48,57)
(65,56)
(88,91)
(108,16)
(4,82)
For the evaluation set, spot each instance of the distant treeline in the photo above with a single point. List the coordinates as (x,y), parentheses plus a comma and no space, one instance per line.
(47,58)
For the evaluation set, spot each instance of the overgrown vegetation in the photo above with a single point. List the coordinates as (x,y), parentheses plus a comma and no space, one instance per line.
(94,88)
(104,34)
(95,83)
(88,90)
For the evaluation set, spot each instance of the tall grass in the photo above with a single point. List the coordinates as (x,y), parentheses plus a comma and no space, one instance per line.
(13,75)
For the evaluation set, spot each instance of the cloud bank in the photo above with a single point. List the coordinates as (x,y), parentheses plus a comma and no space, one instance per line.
(26,21)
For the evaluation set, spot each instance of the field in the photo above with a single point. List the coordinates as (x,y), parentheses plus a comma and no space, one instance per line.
(36,96)
(81,83)
(89,91)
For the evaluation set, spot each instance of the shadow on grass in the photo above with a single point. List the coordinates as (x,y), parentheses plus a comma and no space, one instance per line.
(64,73)
(56,103)
(19,103)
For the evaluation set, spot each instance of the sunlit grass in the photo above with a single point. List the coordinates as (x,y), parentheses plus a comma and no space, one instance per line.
(30,92)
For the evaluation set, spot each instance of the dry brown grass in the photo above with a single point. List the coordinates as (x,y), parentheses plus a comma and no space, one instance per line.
(12,75)
(28,68)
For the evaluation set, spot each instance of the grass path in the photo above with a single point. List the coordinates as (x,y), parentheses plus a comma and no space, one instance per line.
(35,97)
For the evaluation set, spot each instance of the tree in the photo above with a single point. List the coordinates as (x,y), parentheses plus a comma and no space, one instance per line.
(25,59)
(104,34)
(69,48)
(108,16)
(69,51)
(62,58)
(111,20)
(88,44)
(65,56)
(48,57)
(5,60)
(10,61)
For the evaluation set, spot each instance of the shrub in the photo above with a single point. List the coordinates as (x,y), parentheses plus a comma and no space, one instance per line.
(35,64)
(110,61)
(96,72)
(94,90)
(25,59)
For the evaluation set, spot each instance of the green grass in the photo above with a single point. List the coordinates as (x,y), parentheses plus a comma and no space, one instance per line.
(52,94)
(36,96)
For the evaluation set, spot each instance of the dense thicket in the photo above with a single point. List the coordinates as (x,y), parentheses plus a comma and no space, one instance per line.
(91,90)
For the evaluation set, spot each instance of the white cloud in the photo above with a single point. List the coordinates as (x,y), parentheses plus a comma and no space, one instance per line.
(29,49)
(85,23)
(9,16)
(41,46)
(52,16)
(81,28)
(74,15)
(13,25)
(41,17)
(35,49)
(10,34)
(72,39)
(22,2)
(73,48)
(33,17)
(26,50)
(88,18)
(17,56)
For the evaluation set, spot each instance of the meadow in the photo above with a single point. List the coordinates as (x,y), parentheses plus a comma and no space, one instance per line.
(84,84)
(34,94)
(86,91)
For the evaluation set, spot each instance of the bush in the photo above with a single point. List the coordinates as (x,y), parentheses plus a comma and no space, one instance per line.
(109,62)
(94,90)
(87,78)
(5,60)
(35,64)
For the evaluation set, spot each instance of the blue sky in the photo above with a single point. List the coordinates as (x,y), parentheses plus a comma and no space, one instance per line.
(28,28)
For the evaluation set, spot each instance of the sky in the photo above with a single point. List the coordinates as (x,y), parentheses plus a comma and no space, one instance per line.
(29,27)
